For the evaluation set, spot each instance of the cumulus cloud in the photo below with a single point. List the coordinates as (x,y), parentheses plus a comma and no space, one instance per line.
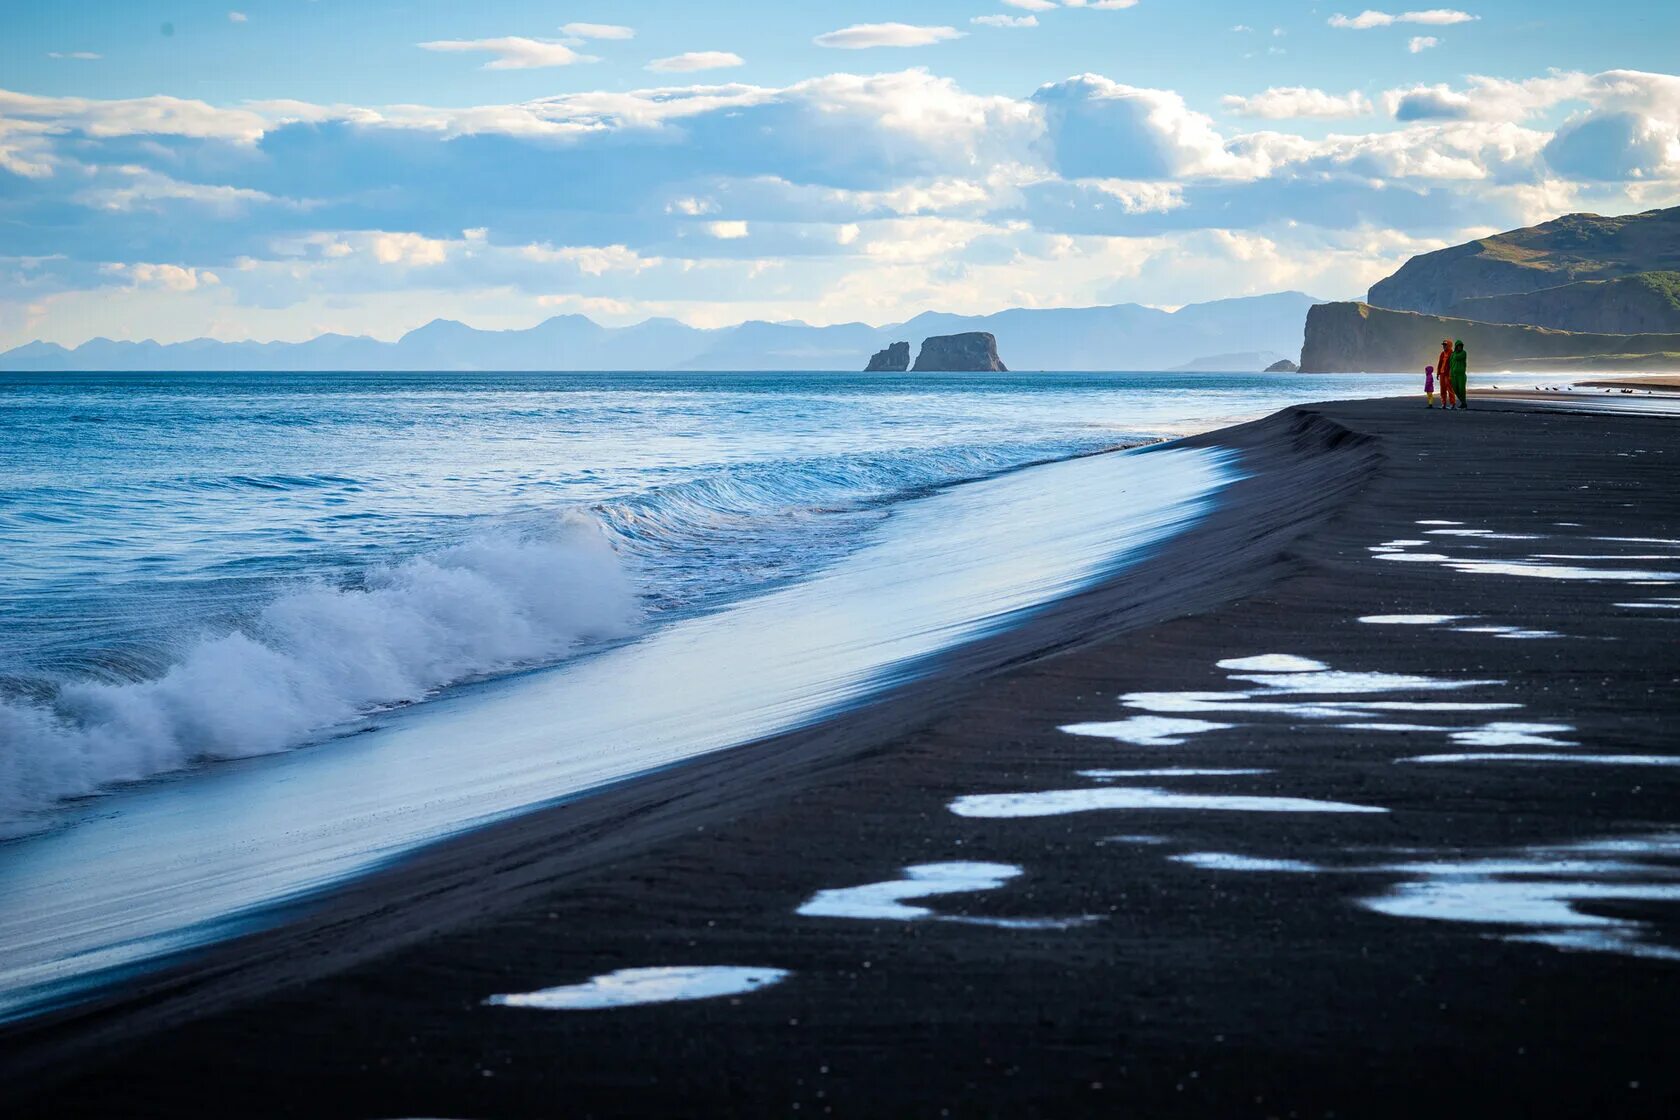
(696,60)
(1293,102)
(840,195)
(238,17)
(174,278)
(861,36)
(1098,128)
(598,31)
(1435,17)
(513,52)
(1420,43)
(1005,21)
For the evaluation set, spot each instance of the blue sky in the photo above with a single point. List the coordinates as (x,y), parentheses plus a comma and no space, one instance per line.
(280,168)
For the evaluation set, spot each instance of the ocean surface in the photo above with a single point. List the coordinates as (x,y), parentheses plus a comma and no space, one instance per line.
(291,628)
(206,566)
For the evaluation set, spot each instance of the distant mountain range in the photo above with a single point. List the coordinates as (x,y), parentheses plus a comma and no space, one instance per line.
(1254,330)
(1580,292)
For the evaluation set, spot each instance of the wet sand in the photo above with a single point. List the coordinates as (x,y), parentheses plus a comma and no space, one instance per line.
(1425,861)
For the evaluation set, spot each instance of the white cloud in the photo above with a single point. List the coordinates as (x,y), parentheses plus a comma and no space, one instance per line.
(1005,21)
(598,31)
(1420,43)
(1295,102)
(1032,5)
(409,249)
(171,277)
(80,56)
(696,60)
(238,17)
(864,35)
(727,231)
(592,260)
(1435,17)
(513,52)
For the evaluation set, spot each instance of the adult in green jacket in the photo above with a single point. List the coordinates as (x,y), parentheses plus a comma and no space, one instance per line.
(1460,365)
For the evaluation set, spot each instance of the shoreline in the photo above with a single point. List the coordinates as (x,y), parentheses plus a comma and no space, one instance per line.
(717,852)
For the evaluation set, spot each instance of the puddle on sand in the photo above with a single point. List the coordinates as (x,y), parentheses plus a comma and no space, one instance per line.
(1513,735)
(1535,569)
(1484,534)
(1424,706)
(1132,839)
(1274,663)
(886,901)
(1111,775)
(1414,619)
(1518,632)
(1334,681)
(1415,557)
(631,986)
(1592,759)
(1146,731)
(1542,891)
(1230,861)
(1057,802)
(1440,522)
(1542,894)
(1653,605)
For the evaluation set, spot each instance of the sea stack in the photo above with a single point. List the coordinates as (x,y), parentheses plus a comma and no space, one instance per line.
(964,353)
(1285,366)
(894,359)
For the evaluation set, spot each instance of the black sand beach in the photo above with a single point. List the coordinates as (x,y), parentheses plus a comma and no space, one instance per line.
(1247,980)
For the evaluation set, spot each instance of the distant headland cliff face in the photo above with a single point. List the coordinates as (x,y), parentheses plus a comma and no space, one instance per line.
(1580,292)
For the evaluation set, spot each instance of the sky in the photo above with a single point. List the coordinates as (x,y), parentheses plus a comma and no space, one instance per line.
(285,168)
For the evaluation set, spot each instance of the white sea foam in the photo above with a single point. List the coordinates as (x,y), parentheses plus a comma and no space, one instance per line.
(319,656)
(631,986)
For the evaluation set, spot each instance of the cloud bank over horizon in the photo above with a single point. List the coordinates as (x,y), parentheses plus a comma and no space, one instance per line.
(847,196)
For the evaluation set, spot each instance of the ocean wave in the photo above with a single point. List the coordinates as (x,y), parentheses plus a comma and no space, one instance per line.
(317,657)
(259,670)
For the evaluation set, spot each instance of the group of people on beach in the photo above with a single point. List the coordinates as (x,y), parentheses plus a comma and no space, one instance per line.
(1451,369)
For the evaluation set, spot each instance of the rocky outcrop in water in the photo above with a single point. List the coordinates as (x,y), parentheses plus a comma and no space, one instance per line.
(894,359)
(1285,366)
(975,351)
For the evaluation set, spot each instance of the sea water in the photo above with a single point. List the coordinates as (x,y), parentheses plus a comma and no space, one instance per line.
(195,568)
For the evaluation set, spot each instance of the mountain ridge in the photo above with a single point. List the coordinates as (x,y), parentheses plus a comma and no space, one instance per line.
(1103,337)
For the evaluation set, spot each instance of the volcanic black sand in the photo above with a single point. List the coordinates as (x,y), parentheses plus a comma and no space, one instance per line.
(1201,986)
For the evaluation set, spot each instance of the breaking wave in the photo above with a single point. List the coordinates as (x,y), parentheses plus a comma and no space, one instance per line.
(317,657)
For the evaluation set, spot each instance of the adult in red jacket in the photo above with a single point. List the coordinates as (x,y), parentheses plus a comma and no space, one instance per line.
(1444,362)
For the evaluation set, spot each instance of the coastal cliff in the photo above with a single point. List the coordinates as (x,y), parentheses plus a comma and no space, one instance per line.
(1359,338)
(1645,304)
(1566,250)
(1580,292)
(967,353)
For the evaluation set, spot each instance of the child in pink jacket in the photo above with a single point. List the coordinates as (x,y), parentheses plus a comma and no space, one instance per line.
(1429,386)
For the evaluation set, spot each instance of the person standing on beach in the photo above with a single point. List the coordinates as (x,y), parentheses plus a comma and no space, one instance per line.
(1443,369)
(1429,386)
(1460,373)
